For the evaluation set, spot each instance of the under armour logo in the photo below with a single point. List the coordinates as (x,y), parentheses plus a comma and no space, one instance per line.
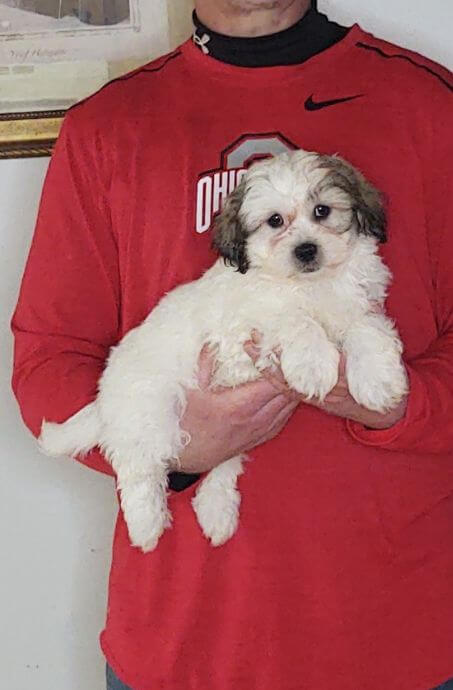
(201,42)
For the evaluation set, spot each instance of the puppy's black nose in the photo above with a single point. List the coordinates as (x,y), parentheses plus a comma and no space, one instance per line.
(306,252)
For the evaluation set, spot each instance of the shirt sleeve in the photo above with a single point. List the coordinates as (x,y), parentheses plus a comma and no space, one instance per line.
(428,423)
(67,316)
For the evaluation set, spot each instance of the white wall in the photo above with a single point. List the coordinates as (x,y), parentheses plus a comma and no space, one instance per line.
(57,517)
(421,25)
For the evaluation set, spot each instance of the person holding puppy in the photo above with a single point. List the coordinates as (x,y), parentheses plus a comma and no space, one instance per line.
(341,571)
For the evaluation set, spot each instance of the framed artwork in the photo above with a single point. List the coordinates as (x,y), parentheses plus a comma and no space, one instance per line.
(54,53)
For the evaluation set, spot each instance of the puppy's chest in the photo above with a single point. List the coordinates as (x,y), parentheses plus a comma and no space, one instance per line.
(336,318)
(272,315)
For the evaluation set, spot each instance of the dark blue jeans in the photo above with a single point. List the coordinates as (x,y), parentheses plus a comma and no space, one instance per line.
(114,683)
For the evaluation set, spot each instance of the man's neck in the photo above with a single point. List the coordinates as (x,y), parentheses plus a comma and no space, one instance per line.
(242,19)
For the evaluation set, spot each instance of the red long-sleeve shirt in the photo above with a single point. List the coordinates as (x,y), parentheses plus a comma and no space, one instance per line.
(341,572)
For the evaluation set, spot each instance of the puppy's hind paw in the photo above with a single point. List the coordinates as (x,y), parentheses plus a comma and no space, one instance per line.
(146,514)
(147,539)
(217,511)
(146,535)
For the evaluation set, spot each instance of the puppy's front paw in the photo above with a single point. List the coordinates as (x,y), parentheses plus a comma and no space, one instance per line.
(313,372)
(217,510)
(378,382)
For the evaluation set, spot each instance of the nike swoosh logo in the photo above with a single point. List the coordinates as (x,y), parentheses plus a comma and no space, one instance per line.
(311,105)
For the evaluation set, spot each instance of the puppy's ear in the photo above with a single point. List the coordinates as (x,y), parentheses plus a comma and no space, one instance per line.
(230,236)
(367,204)
(369,210)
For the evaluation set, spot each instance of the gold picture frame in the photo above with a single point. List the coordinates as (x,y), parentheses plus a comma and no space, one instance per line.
(29,135)
(33,133)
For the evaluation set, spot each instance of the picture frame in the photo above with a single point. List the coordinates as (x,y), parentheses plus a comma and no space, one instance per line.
(54,53)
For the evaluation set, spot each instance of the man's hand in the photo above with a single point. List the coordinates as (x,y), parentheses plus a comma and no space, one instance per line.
(339,402)
(223,423)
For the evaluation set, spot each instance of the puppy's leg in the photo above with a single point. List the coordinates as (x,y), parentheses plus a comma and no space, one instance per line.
(217,501)
(309,361)
(140,443)
(374,370)
(144,504)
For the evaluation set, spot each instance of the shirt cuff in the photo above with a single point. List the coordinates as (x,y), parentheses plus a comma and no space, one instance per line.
(376,437)
(177,481)
(386,437)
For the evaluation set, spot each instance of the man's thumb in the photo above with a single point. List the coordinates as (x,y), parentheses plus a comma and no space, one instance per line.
(206,365)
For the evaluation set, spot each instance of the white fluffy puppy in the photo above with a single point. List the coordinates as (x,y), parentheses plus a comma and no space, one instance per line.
(298,240)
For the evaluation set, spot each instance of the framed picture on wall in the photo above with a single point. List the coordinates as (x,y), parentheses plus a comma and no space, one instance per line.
(54,53)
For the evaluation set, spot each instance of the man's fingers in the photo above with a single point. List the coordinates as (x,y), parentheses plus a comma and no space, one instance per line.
(273,375)
(256,336)
(280,421)
(274,408)
(252,350)
(338,392)
(333,399)
(206,364)
(276,379)
(257,393)
(377,307)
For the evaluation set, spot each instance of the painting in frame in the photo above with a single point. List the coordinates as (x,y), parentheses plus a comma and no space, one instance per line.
(54,53)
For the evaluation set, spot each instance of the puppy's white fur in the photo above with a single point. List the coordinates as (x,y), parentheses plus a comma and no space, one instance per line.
(309,310)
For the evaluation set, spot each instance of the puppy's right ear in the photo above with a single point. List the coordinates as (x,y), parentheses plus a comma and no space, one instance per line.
(230,236)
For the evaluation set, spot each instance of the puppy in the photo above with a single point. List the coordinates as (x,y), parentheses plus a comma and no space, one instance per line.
(298,262)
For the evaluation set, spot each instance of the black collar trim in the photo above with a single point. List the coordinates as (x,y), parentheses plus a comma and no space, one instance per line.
(312,34)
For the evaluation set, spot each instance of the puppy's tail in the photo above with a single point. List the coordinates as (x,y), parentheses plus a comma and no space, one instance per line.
(79,434)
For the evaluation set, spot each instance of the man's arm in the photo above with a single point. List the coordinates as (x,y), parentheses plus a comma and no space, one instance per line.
(423,423)
(67,314)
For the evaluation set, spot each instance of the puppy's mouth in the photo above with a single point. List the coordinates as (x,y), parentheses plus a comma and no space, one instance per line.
(307,257)
(310,268)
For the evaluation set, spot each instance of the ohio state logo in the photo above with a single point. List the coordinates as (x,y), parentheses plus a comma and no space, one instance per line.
(213,186)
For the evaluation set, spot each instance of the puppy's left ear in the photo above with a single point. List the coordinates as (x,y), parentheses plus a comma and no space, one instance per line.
(367,204)
(230,236)
(369,209)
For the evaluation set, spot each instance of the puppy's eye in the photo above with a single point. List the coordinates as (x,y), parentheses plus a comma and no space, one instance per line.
(321,211)
(275,221)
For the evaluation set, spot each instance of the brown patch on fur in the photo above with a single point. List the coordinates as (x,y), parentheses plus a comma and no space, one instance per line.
(230,235)
(367,204)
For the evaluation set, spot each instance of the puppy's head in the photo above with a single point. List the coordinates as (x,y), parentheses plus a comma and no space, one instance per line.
(298,213)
